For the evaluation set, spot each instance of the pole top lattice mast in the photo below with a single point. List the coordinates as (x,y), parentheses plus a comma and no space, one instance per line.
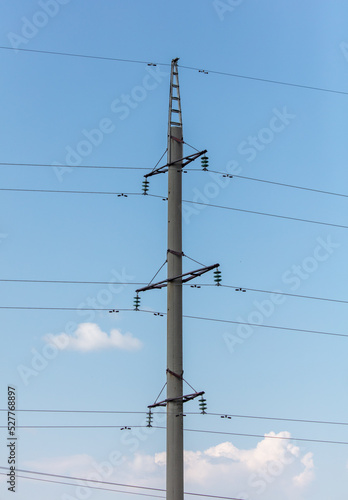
(174,113)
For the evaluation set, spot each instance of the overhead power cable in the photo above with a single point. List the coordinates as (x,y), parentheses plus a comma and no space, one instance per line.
(64,483)
(204,431)
(283,293)
(73,282)
(5,164)
(236,287)
(85,56)
(202,318)
(114,412)
(318,332)
(266,80)
(184,201)
(264,436)
(281,419)
(70,192)
(106,167)
(191,170)
(278,183)
(265,214)
(191,68)
(110,483)
(222,414)
(34,308)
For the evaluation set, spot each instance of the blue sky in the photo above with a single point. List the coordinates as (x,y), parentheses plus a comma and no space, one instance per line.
(64,111)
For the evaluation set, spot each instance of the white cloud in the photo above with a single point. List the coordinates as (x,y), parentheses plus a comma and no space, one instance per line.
(89,337)
(307,475)
(274,467)
(266,451)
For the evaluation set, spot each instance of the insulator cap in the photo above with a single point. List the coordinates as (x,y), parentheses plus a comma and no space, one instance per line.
(149,419)
(205,162)
(217,276)
(203,405)
(136,302)
(145,186)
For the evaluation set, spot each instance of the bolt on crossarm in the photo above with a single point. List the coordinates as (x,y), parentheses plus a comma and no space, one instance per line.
(175,440)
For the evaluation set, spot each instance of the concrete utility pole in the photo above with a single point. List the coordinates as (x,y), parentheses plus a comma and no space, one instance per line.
(175,279)
(175,439)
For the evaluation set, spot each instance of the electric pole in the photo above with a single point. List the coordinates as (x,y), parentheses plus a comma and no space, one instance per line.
(175,440)
(175,278)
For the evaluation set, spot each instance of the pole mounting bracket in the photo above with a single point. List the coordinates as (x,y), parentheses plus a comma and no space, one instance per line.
(178,254)
(175,374)
(184,278)
(184,399)
(182,162)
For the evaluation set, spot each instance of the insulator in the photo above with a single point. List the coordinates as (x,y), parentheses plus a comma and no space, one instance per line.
(217,276)
(136,302)
(203,405)
(145,186)
(149,419)
(205,162)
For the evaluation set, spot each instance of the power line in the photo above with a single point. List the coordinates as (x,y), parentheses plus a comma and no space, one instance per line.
(86,56)
(74,282)
(283,293)
(117,484)
(5,164)
(265,214)
(114,412)
(221,414)
(70,192)
(217,320)
(185,201)
(85,486)
(266,80)
(321,191)
(34,308)
(191,170)
(280,184)
(191,68)
(4,280)
(264,436)
(281,419)
(318,332)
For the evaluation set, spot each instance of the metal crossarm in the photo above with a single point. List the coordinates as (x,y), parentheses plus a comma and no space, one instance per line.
(184,399)
(184,278)
(182,162)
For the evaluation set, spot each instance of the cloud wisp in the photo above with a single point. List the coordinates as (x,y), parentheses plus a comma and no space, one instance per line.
(89,337)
